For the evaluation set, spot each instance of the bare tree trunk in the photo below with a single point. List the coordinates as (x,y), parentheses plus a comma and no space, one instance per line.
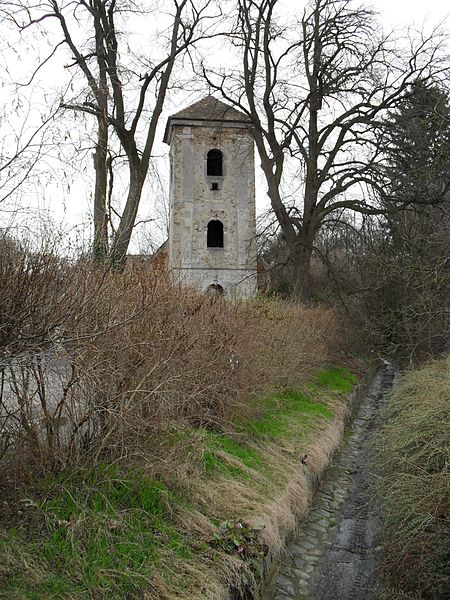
(125,229)
(100,242)
(307,233)
(302,289)
(107,72)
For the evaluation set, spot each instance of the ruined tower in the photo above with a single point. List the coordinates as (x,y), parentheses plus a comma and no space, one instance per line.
(212,199)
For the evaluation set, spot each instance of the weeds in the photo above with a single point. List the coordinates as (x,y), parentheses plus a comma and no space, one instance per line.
(241,539)
(413,457)
(135,415)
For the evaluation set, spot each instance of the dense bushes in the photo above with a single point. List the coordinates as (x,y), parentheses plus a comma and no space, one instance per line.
(413,455)
(135,416)
(97,364)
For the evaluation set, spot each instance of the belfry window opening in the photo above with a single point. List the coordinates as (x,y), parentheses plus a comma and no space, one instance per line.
(214,163)
(214,235)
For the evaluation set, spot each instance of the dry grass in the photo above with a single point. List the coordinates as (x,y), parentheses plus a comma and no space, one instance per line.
(147,414)
(96,363)
(187,508)
(414,459)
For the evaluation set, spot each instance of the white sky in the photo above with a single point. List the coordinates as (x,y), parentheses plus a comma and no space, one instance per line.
(406,12)
(73,208)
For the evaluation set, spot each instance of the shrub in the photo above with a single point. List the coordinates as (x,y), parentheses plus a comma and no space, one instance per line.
(95,365)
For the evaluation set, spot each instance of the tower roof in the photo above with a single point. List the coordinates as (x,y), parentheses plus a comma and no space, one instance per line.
(207,109)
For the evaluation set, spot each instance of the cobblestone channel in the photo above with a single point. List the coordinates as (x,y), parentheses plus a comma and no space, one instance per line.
(334,556)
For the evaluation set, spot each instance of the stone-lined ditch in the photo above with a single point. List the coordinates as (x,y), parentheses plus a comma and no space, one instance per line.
(335,553)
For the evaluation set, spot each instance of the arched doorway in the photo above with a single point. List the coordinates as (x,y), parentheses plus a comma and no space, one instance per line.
(215,289)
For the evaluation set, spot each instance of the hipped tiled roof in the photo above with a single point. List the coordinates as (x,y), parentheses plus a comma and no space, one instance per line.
(207,109)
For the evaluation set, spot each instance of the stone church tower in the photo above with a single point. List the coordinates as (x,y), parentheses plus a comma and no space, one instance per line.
(212,227)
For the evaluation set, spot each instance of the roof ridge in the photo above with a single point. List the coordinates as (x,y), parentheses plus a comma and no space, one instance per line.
(212,108)
(208,108)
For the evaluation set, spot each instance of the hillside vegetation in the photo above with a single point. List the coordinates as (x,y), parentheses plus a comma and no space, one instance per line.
(151,437)
(413,455)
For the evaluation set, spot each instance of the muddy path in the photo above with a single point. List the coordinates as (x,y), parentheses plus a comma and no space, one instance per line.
(335,554)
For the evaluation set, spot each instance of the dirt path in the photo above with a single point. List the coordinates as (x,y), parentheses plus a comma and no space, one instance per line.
(334,556)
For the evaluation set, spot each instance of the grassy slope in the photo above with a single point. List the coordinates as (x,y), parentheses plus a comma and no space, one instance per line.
(413,456)
(127,531)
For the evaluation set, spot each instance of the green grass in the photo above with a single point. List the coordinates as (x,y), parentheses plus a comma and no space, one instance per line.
(213,463)
(286,415)
(105,533)
(99,533)
(289,414)
(337,379)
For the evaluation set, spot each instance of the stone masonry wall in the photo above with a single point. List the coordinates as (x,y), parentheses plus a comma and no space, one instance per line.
(193,204)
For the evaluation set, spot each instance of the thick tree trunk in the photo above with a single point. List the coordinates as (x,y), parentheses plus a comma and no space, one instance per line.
(123,235)
(309,224)
(100,242)
(302,287)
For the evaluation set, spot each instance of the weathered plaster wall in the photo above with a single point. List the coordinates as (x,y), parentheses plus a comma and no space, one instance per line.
(193,204)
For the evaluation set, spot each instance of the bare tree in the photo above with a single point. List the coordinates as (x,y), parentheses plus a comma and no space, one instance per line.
(124,92)
(317,92)
(23,142)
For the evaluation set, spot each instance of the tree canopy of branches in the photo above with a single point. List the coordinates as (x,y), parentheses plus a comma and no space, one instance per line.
(23,142)
(413,301)
(123,91)
(317,92)
(391,273)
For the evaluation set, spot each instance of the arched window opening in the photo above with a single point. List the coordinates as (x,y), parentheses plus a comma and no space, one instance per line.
(214,236)
(215,289)
(214,163)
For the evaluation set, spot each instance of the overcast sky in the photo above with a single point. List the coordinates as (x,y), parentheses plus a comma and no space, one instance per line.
(73,208)
(405,12)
